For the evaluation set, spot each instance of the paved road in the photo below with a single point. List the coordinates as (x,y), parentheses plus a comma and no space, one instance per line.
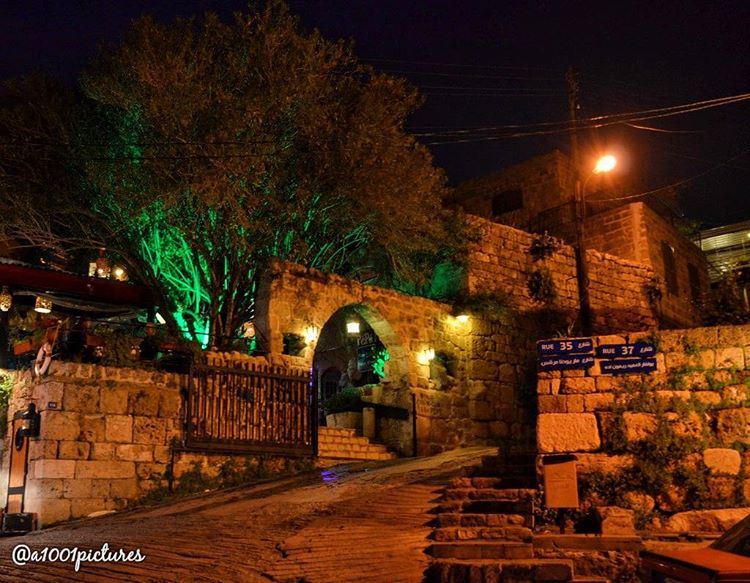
(366,522)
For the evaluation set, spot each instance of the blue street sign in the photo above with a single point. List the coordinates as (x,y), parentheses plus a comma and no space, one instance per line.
(570,346)
(635,366)
(573,361)
(625,350)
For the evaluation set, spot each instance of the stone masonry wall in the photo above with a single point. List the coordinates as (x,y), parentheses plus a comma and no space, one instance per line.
(700,391)
(500,262)
(108,437)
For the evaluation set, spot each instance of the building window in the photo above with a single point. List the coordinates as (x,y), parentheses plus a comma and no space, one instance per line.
(695,283)
(506,201)
(670,268)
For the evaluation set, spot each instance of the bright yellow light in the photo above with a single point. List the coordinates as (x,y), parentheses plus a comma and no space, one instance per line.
(463,318)
(605,164)
(311,334)
(426,355)
(352,327)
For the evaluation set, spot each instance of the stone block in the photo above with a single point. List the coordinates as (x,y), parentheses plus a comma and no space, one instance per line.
(144,402)
(54,468)
(127,489)
(81,398)
(73,450)
(104,469)
(149,430)
(133,452)
(730,358)
(614,520)
(722,461)
(163,453)
(48,391)
(733,425)
(574,403)
(706,520)
(578,385)
(119,428)
(113,401)
(638,426)
(57,425)
(150,471)
(480,410)
(80,507)
(86,488)
(567,432)
(45,488)
(42,449)
(51,511)
(598,401)
(552,404)
(102,451)
(92,428)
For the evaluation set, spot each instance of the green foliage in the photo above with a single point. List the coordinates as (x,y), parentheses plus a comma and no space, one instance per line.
(6,389)
(197,151)
(541,286)
(347,400)
(654,290)
(488,306)
(381,357)
(543,246)
(725,303)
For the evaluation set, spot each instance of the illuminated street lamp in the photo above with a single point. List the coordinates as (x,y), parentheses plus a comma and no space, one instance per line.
(604,164)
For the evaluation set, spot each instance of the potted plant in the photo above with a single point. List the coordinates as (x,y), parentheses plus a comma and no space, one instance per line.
(344,409)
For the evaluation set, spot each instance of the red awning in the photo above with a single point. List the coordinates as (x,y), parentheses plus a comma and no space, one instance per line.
(25,277)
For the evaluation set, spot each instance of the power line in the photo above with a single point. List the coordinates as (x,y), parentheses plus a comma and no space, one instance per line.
(462,65)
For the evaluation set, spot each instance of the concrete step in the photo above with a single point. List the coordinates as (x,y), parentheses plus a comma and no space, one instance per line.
(489,494)
(460,533)
(482,550)
(493,571)
(488,520)
(589,542)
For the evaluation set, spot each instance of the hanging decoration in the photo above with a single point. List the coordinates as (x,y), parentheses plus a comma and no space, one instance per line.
(6,299)
(43,305)
(103,269)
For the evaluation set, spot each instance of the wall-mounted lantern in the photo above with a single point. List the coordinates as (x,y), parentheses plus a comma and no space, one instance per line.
(311,334)
(463,318)
(426,356)
(352,327)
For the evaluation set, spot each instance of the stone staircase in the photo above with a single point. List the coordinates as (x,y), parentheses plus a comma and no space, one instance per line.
(340,443)
(484,527)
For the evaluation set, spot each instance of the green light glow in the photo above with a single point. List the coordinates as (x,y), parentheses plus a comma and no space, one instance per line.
(378,366)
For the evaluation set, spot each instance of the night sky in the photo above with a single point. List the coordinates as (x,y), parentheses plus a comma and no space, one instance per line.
(494,62)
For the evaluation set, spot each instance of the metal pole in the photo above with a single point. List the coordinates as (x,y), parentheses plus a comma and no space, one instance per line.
(582,270)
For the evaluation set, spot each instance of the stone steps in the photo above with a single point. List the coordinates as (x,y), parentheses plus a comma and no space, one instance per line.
(487,520)
(514,494)
(482,549)
(494,571)
(341,443)
(460,533)
(494,482)
(523,507)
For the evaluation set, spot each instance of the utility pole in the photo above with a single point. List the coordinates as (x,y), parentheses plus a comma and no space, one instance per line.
(582,268)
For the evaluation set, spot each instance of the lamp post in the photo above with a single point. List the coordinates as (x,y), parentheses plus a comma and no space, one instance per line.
(604,164)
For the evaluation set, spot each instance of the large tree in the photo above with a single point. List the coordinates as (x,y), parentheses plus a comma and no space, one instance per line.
(200,149)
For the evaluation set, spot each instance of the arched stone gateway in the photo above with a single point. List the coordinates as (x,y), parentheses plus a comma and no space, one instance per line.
(466,394)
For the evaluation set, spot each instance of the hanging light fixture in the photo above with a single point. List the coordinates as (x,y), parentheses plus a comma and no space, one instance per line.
(6,299)
(119,274)
(311,334)
(43,305)
(103,268)
(352,327)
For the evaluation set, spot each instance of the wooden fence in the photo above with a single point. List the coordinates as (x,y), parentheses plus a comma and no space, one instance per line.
(251,409)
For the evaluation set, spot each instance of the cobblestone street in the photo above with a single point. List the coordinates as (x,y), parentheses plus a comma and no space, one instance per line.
(366,522)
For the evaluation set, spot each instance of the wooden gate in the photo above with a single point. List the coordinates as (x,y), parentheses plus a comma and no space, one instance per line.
(19,461)
(251,409)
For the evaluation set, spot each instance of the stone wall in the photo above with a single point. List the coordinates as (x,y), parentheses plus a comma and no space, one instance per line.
(108,437)
(698,400)
(500,262)
(478,401)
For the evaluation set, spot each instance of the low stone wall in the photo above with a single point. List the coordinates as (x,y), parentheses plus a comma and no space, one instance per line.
(110,437)
(677,439)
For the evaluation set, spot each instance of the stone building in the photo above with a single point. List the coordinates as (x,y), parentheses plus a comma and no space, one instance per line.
(538,196)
